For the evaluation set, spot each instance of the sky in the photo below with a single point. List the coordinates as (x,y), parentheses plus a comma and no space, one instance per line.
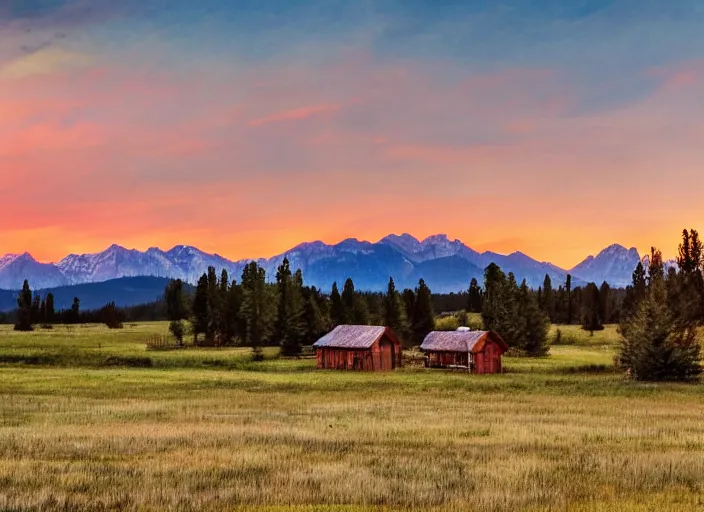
(244,128)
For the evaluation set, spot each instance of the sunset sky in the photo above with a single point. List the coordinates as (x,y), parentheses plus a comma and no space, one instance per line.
(245,127)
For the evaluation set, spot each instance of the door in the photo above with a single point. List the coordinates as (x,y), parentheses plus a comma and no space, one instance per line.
(386,349)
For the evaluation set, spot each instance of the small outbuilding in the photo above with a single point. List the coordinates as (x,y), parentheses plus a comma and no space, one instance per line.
(359,347)
(474,351)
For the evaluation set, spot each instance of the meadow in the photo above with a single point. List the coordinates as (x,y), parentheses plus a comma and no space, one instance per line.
(92,420)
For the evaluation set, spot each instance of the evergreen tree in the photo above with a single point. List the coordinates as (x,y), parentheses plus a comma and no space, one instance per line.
(690,281)
(394,314)
(568,289)
(314,318)
(639,282)
(36,313)
(24,309)
(175,308)
(76,310)
(536,323)
(655,346)
(408,298)
(548,303)
(559,306)
(111,316)
(348,300)
(475,297)
(606,305)
(360,311)
(494,308)
(254,307)
(515,325)
(223,320)
(200,308)
(236,326)
(591,307)
(49,309)
(338,315)
(423,319)
(213,306)
(289,328)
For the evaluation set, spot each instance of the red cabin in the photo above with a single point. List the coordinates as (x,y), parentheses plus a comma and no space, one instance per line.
(359,347)
(474,351)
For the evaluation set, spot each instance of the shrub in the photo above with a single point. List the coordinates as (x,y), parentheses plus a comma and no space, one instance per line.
(449,323)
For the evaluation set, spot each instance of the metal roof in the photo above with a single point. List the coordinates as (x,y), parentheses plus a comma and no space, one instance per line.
(457,341)
(351,336)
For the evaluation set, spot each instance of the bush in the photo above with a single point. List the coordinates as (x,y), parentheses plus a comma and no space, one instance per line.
(448,323)
(463,318)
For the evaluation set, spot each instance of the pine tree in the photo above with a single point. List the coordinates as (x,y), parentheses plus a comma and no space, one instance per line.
(548,304)
(494,307)
(314,318)
(475,297)
(76,310)
(24,309)
(423,320)
(213,306)
(338,315)
(690,281)
(393,312)
(605,303)
(36,313)
(234,304)
(515,324)
(200,308)
(360,311)
(111,316)
(348,300)
(175,308)
(49,309)
(536,323)
(408,299)
(254,307)
(591,307)
(289,328)
(223,320)
(568,289)
(655,346)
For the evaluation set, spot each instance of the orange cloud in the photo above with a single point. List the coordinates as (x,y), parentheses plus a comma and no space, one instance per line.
(296,114)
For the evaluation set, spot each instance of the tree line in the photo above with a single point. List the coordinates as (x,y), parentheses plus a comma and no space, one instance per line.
(287,313)
(33,309)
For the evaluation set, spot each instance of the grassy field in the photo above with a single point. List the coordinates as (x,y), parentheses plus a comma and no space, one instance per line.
(206,429)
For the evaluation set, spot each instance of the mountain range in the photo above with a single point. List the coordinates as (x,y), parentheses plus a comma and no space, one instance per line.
(446,265)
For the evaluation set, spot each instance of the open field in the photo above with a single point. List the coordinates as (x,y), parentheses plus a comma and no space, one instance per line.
(202,430)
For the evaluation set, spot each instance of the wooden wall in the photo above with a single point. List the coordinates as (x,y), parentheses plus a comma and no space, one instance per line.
(377,358)
(487,360)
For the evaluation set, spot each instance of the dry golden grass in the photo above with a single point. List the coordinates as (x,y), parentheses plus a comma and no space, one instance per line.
(545,436)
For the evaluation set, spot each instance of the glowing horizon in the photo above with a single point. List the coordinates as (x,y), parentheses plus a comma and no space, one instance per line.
(542,128)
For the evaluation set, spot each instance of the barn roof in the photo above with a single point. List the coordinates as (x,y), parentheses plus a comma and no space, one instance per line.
(458,341)
(353,336)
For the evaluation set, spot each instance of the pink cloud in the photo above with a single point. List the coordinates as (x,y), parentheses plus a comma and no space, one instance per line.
(296,114)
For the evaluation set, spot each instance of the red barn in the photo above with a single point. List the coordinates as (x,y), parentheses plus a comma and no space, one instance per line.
(359,347)
(475,351)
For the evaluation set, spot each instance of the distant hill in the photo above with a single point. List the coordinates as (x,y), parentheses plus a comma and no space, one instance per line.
(446,265)
(127,291)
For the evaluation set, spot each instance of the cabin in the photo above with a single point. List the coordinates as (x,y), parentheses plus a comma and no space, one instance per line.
(358,347)
(473,351)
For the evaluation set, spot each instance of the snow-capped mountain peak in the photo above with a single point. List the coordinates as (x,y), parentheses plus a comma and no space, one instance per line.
(445,264)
